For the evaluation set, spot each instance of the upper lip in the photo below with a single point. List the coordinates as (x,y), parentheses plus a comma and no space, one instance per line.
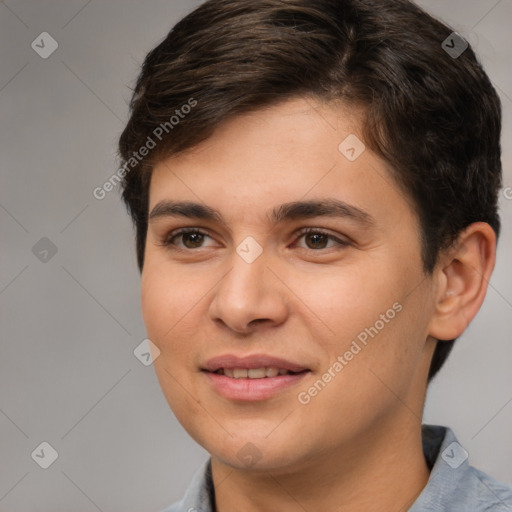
(251,361)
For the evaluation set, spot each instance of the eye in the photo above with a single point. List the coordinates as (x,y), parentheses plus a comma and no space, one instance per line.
(316,239)
(191,238)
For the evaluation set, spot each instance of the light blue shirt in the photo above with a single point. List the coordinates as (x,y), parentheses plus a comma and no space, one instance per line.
(453,485)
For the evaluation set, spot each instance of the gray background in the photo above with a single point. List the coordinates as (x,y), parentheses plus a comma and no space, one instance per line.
(69,325)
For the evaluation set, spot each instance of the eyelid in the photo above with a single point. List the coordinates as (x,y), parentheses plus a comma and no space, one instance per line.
(166,240)
(342,242)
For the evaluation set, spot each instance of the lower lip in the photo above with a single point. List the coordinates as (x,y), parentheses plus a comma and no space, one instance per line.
(251,390)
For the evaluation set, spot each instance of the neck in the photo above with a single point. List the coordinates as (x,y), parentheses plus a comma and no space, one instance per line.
(384,470)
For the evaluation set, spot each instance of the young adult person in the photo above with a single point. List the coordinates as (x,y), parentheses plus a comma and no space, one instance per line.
(314,189)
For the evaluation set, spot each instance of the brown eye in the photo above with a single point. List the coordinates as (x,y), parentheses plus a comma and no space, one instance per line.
(192,240)
(316,240)
(187,238)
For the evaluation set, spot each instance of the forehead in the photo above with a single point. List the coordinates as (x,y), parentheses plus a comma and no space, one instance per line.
(299,149)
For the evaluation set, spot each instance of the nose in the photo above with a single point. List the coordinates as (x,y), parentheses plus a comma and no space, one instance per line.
(249,297)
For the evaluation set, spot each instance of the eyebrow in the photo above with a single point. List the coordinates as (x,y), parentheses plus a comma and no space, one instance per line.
(287,211)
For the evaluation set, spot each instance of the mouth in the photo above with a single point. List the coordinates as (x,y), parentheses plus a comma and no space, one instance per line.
(264,372)
(252,378)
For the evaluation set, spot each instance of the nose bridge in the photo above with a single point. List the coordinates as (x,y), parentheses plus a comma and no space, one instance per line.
(249,291)
(244,281)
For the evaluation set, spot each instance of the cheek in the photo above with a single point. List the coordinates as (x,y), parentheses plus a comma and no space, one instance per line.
(156,312)
(165,301)
(348,300)
(374,323)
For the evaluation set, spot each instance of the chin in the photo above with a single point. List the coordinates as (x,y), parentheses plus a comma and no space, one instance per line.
(251,458)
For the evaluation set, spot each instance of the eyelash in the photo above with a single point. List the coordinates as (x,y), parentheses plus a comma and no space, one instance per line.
(168,241)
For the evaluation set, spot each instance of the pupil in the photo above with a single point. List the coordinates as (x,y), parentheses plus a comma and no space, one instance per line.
(319,240)
(195,239)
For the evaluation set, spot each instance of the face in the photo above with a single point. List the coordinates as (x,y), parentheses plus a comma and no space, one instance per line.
(283,286)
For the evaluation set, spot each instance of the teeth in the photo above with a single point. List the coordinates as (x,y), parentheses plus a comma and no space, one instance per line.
(256,373)
(273,372)
(253,373)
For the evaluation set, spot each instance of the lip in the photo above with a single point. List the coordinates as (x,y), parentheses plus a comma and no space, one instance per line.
(252,361)
(252,390)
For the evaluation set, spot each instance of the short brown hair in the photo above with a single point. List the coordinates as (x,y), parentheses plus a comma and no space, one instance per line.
(434,116)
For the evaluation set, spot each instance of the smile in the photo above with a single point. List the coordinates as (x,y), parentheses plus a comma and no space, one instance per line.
(253,373)
(252,377)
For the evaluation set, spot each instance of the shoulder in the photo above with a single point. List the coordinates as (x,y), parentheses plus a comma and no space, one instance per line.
(454,485)
(464,490)
(489,493)
(471,490)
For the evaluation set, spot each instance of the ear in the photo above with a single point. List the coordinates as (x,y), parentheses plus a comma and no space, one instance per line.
(461,276)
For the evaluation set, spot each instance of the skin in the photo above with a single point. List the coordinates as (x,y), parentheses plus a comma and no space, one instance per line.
(357,444)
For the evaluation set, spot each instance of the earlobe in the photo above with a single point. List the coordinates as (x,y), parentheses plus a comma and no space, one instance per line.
(462,276)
